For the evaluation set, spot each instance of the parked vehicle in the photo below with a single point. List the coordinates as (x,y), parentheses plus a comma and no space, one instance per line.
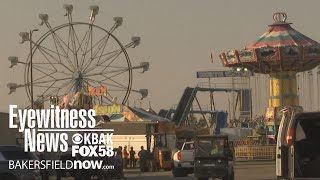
(99,174)
(183,160)
(16,153)
(213,157)
(298,145)
(63,172)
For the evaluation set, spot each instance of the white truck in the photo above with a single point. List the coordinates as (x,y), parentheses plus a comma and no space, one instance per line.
(183,160)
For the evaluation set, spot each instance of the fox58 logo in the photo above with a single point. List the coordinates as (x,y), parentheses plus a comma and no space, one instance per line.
(92,145)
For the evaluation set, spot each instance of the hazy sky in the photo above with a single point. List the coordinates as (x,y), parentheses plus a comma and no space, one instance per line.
(177,36)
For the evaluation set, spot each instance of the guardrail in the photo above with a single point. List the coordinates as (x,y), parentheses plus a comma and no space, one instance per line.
(255,152)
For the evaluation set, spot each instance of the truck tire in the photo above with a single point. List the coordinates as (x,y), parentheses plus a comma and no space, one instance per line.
(7,177)
(179,172)
(86,177)
(280,178)
(226,177)
(203,178)
(231,177)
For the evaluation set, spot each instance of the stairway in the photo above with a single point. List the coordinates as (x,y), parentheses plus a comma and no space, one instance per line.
(184,105)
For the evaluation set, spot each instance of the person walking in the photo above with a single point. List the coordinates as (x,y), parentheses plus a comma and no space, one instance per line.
(118,163)
(132,161)
(121,167)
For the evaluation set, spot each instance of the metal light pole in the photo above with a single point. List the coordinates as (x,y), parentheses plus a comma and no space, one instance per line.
(31,70)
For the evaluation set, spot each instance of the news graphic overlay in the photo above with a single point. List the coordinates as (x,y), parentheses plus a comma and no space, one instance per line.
(62,131)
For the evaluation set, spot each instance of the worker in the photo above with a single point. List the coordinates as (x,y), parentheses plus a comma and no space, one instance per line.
(143,155)
(217,150)
(118,163)
(125,156)
(132,161)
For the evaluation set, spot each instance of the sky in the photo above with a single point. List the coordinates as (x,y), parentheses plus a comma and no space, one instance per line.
(177,38)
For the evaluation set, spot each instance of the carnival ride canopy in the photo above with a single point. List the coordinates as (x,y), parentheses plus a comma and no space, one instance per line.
(281,48)
(281,35)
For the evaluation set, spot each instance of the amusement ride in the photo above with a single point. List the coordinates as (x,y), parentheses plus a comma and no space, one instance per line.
(80,60)
(281,52)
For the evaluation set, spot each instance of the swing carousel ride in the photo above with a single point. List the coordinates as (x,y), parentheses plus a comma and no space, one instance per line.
(281,52)
(80,60)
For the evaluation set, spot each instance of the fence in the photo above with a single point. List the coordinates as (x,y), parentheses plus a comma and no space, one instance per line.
(255,152)
(237,143)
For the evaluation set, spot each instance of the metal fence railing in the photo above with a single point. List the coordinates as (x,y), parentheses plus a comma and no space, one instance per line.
(255,152)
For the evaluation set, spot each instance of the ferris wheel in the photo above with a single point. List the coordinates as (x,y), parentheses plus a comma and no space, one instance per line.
(76,57)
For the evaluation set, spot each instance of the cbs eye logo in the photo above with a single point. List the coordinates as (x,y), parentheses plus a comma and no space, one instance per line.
(77,138)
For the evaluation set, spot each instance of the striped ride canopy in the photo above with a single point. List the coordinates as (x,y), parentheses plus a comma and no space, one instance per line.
(280,35)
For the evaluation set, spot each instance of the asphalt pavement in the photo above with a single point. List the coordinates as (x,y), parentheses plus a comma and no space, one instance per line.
(256,170)
(252,170)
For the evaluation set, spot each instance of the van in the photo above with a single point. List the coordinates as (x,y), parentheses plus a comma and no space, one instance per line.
(298,145)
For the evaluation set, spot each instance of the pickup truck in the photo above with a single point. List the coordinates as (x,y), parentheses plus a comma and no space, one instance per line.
(183,160)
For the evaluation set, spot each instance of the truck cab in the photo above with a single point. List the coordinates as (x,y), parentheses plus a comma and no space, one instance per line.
(183,160)
(213,157)
(298,145)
